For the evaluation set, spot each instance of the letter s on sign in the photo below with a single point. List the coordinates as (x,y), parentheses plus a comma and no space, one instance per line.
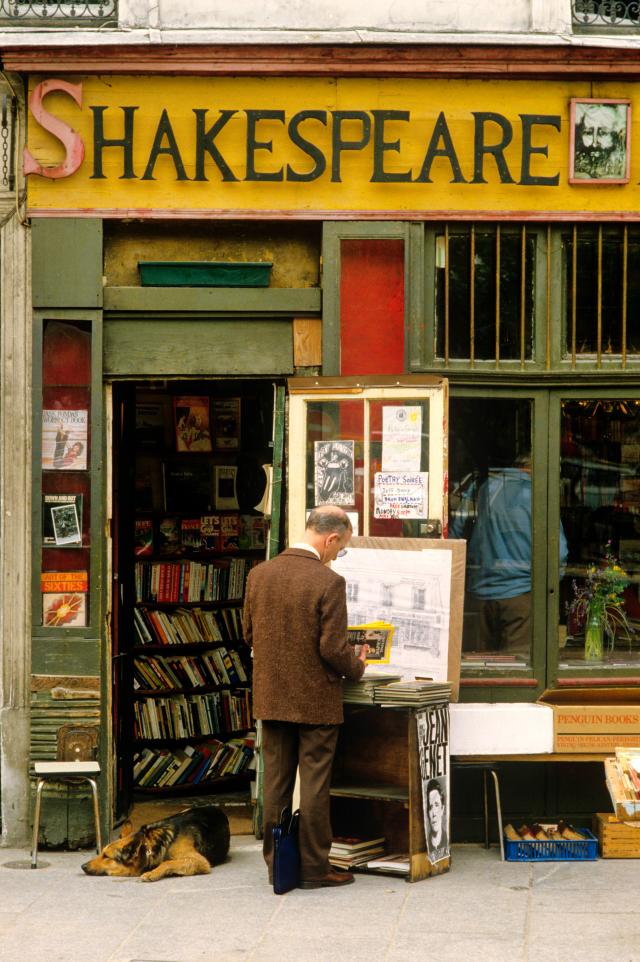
(71,141)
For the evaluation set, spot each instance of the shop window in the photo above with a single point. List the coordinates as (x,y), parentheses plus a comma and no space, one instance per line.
(484,291)
(600,513)
(602,283)
(491,506)
(65,462)
(375,449)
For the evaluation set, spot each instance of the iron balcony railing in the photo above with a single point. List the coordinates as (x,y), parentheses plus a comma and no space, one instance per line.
(90,13)
(605,15)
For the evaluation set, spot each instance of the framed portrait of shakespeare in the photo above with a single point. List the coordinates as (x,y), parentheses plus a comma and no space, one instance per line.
(600,141)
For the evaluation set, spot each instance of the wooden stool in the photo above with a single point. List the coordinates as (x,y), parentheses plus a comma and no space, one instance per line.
(487,769)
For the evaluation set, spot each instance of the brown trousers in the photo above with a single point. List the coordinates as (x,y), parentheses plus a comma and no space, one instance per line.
(287,746)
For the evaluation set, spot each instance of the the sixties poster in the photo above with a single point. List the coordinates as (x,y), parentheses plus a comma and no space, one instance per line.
(433,753)
(334,472)
(64,440)
(64,599)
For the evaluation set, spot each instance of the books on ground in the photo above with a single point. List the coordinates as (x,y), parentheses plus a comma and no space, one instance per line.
(396,864)
(347,852)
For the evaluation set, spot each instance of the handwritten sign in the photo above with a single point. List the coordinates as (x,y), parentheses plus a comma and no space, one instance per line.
(398,495)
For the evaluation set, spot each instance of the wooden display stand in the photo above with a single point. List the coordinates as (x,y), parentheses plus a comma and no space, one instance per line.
(377,788)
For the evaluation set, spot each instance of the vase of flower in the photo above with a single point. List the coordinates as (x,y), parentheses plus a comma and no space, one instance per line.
(594,636)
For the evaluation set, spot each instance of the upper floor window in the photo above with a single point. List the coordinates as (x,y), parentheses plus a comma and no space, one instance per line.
(85,13)
(607,14)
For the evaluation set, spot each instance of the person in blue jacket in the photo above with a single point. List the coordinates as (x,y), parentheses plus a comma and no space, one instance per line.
(499,555)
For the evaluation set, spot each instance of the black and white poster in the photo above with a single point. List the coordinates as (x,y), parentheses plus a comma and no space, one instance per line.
(333,469)
(433,752)
(61,520)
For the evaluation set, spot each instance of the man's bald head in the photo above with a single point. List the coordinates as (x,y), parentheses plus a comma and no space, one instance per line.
(329,519)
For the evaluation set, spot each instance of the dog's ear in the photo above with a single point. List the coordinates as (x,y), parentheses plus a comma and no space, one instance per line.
(127,828)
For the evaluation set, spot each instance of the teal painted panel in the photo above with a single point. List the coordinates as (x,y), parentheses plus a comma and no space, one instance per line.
(182,300)
(159,348)
(65,656)
(67,262)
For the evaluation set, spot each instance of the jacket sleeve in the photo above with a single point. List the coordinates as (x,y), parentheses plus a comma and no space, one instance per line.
(334,647)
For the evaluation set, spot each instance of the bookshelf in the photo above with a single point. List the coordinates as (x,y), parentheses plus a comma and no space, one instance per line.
(376,789)
(192,535)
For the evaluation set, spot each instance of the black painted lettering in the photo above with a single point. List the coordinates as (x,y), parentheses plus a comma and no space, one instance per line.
(381,146)
(442,133)
(205,144)
(100,143)
(529,121)
(163,130)
(253,119)
(480,148)
(339,144)
(306,146)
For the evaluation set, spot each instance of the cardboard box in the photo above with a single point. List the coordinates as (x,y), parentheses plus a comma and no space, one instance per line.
(500,729)
(594,719)
(617,838)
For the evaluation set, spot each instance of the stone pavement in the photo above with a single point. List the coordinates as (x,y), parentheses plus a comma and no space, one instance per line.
(484,910)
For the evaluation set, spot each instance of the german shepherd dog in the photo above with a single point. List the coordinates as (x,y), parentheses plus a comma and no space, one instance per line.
(188,843)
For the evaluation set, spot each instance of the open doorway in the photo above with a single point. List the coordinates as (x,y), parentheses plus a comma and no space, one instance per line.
(192,513)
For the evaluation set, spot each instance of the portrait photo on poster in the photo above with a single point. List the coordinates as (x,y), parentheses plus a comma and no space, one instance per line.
(334,472)
(600,132)
(433,753)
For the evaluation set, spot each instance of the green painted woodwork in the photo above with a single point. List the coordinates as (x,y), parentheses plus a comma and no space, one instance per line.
(219,300)
(58,652)
(163,348)
(66,262)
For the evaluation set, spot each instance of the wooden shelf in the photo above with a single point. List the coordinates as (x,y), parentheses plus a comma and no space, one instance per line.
(386,793)
(187,649)
(220,736)
(189,788)
(226,603)
(170,692)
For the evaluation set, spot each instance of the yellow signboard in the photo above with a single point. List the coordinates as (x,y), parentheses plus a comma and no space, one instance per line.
(312,147)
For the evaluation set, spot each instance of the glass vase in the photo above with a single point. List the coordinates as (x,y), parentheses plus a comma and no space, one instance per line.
(594,637)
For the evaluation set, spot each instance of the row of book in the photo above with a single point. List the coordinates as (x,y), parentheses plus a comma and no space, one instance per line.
(627,762)
(168,582)
(215,667)
(213,532)
(187,626)
(189,716)
(192,765)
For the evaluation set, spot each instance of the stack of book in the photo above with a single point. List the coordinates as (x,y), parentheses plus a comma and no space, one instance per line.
(411,694)
(363,692)
(396,864)
(192,765)
(347,852)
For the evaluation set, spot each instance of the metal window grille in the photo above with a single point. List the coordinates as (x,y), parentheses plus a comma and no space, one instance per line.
(485,293)
(90,12)
(616,14)
(601,272)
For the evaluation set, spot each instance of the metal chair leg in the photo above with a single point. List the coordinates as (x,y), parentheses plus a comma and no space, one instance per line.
(96,813)
(485,802)
(496,786)
(36,824)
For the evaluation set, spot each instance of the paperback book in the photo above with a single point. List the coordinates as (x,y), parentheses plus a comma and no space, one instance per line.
(64,440)
(61,520)
(64,599)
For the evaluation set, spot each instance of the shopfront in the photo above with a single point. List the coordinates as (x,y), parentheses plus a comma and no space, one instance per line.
(480,231)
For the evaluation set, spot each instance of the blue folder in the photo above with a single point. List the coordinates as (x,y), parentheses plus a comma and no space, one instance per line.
(286,852)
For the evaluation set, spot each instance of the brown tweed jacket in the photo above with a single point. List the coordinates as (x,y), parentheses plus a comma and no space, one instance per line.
(295,617)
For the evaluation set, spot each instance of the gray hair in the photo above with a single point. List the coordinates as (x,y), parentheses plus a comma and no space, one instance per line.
(329,519)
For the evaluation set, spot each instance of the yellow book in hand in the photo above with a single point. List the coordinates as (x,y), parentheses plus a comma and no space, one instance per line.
(378,635)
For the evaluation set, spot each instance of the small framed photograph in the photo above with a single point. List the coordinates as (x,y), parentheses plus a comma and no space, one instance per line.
(226,423)
(600,141)
(66,524)
(191,420)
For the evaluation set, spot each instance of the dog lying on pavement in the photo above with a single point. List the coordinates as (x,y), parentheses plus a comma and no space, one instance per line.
(188,843)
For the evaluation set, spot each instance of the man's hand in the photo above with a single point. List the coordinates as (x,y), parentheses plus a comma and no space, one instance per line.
(362,654)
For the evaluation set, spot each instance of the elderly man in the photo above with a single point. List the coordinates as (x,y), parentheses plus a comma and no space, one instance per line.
(295,617)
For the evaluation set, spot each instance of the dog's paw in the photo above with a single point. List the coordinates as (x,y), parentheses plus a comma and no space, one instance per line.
(149,877)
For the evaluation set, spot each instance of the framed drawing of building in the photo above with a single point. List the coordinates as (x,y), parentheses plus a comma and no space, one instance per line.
(600,141)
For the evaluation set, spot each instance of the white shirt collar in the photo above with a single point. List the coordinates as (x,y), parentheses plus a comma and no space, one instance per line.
(303,546)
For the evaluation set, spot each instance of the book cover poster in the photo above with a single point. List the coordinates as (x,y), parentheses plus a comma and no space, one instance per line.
(64,598)
(192,427)
(61,520)
(169,539)
(225,487)
(226,423)
(210,532)
(64,440)
(333,469)
(143,538)
(433,753)
(191,534)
